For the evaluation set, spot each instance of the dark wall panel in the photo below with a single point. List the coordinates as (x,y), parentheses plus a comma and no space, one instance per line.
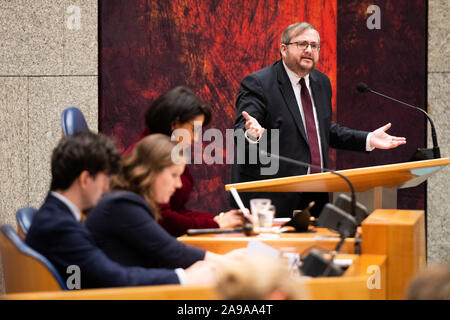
(391,60)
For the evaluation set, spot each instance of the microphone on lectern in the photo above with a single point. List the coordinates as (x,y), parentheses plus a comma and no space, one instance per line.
(307,165)
(421,153)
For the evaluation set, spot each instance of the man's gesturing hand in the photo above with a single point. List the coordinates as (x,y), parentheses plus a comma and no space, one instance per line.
(381,140)
(252,125)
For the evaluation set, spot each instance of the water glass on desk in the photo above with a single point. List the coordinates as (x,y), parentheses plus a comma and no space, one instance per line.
(256,205)
(265,216)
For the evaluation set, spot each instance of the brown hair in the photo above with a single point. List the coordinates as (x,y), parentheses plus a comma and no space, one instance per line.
(432,283)
(294,30)
(140,167)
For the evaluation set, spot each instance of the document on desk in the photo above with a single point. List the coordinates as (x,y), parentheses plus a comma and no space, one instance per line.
(259,247)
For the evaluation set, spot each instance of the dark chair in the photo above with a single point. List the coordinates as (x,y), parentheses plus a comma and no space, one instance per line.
(24,269)
(73,121)
(24,218)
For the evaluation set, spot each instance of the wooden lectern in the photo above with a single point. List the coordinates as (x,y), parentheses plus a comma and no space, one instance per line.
(376,187)
(399,235)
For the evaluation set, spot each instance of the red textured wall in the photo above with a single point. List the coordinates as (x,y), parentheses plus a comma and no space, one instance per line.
(149,47)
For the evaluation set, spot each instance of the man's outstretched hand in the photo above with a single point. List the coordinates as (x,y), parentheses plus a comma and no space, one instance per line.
(381,140)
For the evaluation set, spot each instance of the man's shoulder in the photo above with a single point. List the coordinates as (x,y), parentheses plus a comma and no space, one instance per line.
(51,221)
(264,78)
(319,76)
(53,210)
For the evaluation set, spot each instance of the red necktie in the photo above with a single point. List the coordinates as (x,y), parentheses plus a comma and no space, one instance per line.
(311,129)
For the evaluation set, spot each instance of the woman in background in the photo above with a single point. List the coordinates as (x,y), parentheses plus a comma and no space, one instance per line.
(180,108)
(124,223)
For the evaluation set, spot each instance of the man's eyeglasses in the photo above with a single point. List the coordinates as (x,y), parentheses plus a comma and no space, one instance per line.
(304,44)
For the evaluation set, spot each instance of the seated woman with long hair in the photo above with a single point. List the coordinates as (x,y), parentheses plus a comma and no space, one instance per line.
(124,223)
(180,108)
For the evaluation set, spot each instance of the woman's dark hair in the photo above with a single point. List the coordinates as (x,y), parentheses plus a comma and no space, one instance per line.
(82,151)
(178,105)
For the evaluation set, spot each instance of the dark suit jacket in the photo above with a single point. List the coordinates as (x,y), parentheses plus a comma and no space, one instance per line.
(57,235)
(124,227)
(267,95)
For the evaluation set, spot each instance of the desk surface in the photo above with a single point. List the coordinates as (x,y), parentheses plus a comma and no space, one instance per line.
(400,175)
(352,285)
(223,243)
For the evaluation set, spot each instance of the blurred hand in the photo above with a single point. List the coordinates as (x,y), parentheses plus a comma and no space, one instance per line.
(237,254)
(201,273)
(230,219)
(252,125)
(220,259)
(381,140)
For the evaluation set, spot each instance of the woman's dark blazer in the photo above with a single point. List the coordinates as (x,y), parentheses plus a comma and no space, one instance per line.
(124,227)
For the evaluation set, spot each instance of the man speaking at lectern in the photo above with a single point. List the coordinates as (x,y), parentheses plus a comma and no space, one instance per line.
(293,97)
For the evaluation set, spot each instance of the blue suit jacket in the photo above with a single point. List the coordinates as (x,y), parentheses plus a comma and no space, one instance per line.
(57,235)
(124,227)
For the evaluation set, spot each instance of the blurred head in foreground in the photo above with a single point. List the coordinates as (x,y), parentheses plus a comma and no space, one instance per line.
(258,277)
(431,284)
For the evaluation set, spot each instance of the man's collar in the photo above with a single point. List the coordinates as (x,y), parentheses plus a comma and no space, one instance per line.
(72,207)
(293,77)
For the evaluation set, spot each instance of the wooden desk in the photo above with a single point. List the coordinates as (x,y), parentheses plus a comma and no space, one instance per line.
(163,292)
(399,235)
(353,285)
(393,242)
(223,243)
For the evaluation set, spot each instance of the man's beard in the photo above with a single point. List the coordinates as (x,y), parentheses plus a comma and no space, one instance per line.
(302,69)
(298,68)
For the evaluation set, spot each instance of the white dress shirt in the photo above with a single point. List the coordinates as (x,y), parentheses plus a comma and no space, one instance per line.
(294,78)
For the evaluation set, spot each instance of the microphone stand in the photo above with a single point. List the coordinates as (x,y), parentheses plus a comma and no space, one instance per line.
(422,153)
(304,164)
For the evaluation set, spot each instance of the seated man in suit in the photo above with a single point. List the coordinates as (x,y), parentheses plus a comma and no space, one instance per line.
(80,168)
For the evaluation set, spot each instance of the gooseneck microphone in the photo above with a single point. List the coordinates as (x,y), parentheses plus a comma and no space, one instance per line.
(422,153)
(304,164)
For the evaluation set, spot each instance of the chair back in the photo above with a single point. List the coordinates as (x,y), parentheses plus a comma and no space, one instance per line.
(73,121)
(24,218)
(24,269)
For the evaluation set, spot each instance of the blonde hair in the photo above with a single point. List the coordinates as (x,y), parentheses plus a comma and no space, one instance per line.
(149,157)
(257,277)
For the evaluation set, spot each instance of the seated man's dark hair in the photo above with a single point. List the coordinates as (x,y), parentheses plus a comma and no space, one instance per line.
(88,151)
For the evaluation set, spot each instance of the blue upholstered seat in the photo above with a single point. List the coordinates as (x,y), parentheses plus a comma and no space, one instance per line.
(73,121)
(24,217)
(24,269)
